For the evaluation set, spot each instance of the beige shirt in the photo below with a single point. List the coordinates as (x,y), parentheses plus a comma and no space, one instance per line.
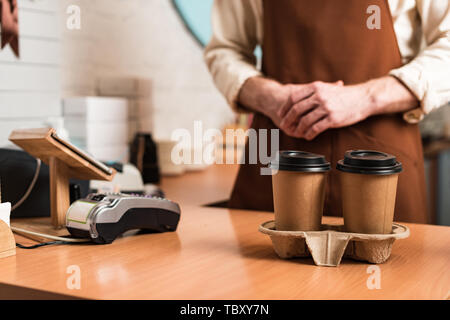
(422,28)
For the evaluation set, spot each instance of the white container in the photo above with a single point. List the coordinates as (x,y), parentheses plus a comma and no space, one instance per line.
(97,134)
(96,122)
(95,109)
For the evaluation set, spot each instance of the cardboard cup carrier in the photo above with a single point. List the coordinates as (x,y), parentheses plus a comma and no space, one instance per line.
(368,186)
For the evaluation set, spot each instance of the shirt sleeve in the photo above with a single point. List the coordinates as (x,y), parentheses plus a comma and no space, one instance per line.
(427,75)
(230,53)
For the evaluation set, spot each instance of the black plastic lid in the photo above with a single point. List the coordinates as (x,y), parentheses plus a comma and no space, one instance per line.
(369,162)
(300,161)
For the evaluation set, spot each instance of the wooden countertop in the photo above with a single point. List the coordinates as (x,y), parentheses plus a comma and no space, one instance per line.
(219,254)
(214,184)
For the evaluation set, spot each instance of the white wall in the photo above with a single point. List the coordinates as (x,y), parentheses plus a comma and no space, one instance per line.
(30,86)
(142,38)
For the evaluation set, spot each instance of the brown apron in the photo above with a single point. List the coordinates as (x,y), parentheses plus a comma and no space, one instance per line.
(328,40)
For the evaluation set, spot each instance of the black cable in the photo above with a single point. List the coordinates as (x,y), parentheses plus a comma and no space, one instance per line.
(42,244)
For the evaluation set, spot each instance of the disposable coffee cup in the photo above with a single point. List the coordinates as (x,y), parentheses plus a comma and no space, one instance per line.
(298,181)
(368,186)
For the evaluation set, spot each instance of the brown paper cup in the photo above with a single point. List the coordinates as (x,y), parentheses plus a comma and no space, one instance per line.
(368,202)
(368,189)
(298,200)
(298,183)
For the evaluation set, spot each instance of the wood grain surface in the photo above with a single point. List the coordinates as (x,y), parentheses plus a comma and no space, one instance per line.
(7,243)
(219,254)
(203,187)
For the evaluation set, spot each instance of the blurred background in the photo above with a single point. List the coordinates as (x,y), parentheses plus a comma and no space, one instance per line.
(144,56)
(126,40)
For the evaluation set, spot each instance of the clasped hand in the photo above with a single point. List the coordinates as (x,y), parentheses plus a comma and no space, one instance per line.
(306,110)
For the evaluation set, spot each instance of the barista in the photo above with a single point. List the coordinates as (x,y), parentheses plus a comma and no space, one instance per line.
(335,76)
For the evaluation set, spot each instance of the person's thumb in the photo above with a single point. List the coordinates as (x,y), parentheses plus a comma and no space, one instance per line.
(339,83)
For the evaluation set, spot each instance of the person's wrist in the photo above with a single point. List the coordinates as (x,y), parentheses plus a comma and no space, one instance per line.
(388,95)
(271,97)
(373,103)
(261,95)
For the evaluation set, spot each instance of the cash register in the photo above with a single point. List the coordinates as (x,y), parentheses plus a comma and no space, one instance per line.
(103,217)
